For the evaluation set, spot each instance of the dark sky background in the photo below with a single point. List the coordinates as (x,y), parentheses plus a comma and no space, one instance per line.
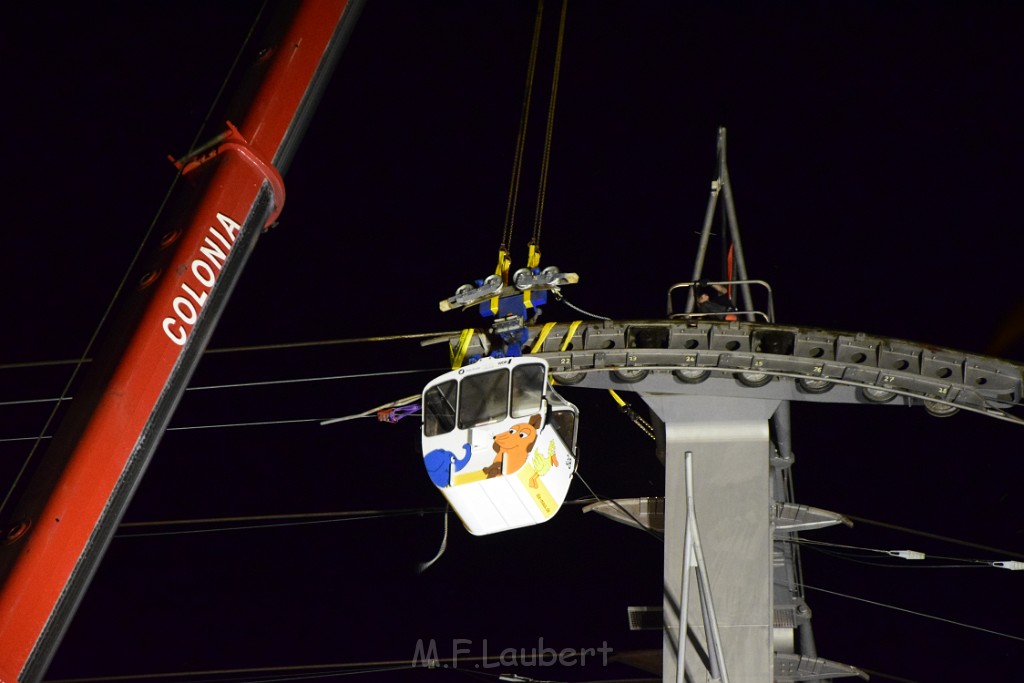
(875,156)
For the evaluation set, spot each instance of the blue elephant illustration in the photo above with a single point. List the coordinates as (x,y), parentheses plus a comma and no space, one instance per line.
(438,463)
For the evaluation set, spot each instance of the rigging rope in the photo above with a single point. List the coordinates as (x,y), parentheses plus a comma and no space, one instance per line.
(517,162)
(533,258)
(546,160)
(558,295)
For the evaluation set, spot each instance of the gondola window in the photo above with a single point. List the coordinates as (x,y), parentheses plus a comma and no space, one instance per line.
(439,409)
(484,398)
(527,389)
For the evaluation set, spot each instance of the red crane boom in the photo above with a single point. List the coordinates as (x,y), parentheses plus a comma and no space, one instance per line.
(63,513)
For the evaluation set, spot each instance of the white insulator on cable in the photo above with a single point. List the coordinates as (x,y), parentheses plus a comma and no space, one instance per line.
(1012,565)
(907,554)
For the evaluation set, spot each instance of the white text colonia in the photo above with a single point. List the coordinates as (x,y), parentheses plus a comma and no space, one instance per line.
(187,305)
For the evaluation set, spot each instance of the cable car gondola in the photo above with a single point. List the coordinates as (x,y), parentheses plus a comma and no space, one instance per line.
(499,442)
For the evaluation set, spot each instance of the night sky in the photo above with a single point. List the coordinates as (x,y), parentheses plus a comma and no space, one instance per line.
(875,157)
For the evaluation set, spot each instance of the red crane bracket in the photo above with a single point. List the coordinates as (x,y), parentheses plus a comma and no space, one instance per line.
(232,140)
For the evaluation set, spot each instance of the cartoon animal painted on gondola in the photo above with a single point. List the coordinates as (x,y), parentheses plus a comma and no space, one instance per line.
(513,447)
(441,463)
(542,464)
(499,443)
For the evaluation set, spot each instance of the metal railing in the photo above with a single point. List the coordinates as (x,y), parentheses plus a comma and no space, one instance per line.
(751,315)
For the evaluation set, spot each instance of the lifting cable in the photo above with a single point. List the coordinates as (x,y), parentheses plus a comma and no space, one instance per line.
(124,279)
(548,134)
(517,161)
(533,259)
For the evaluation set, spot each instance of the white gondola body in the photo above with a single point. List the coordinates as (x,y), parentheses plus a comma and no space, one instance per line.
(495,443)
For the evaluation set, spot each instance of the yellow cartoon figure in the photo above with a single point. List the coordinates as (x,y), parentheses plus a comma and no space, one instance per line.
(542,464)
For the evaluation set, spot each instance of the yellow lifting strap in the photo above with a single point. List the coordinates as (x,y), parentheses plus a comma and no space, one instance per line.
(458,355)
(569,334)
(532,255)
(544,332)
(504,263)
(532,261)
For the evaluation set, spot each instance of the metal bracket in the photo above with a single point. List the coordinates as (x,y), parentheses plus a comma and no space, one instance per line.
(232,140)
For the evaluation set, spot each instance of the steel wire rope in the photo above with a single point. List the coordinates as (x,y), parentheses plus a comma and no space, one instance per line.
(817,545)
(937,537)
(297,518)
(549,132)
(999,416)
(877,603)
(561,298)
(255,347)
(314,676)
(640,525)
(355,516)
(834,550)
(874,673)
(258,383)
(517,161)
(235,349)
(384,665)
(257,518)
(366,414)
(305,671)
(912,564)
(220,425)
(223,425)
(124,279)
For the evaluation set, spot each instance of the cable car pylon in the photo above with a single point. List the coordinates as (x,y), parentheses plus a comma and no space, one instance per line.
(718,384)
